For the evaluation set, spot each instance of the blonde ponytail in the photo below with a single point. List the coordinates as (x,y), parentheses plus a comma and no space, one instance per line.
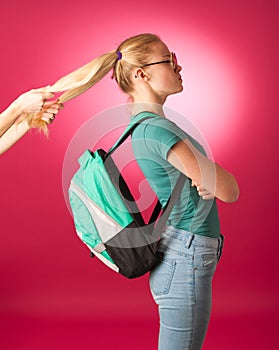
(85,77)
(131,53)
(77,82)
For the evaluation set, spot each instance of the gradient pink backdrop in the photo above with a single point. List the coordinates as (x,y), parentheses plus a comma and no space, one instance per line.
(52,295)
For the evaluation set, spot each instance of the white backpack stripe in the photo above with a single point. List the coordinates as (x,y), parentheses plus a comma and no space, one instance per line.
(106,226)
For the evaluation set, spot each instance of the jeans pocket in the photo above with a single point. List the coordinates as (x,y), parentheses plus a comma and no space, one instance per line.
(161,277)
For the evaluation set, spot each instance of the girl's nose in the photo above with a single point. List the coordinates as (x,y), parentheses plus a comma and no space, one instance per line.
(178,68)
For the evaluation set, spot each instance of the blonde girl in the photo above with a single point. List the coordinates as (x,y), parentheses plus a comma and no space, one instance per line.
(148,72)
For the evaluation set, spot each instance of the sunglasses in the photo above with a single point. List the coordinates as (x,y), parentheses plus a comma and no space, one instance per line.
(172,61)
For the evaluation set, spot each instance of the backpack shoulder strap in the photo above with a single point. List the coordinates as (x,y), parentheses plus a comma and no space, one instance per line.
(131,127)
(170,204)
(177,188)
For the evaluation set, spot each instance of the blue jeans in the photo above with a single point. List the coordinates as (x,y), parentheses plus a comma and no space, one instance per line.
(181,285)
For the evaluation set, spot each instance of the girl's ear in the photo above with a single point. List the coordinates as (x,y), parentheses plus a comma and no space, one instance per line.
(140,73)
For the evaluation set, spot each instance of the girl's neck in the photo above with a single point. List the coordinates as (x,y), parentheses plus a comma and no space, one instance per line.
(151,104)
(147,107)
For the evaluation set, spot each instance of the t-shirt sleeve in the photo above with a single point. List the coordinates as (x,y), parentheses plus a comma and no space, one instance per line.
(161,134)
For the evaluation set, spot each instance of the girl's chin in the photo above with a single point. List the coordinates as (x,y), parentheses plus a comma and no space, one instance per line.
(179,89)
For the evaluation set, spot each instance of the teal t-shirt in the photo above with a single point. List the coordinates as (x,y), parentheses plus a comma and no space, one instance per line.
(151,142)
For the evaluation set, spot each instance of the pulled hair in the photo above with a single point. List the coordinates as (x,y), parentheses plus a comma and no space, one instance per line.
(134,50)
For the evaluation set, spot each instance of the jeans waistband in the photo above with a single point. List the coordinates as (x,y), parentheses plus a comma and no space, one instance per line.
(188,239)
(191,238)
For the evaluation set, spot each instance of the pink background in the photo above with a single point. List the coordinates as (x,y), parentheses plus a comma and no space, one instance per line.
(52,295)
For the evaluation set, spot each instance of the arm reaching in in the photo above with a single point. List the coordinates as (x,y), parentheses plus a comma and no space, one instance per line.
(15,129)
(29,102)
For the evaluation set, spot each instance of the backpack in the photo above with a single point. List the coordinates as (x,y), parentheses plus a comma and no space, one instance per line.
(107,218)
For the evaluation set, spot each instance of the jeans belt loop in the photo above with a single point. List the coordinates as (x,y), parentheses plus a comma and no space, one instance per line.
(189,241)
(220,247)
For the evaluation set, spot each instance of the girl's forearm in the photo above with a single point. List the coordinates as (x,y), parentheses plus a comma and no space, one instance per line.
(12,135)
(9,116)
